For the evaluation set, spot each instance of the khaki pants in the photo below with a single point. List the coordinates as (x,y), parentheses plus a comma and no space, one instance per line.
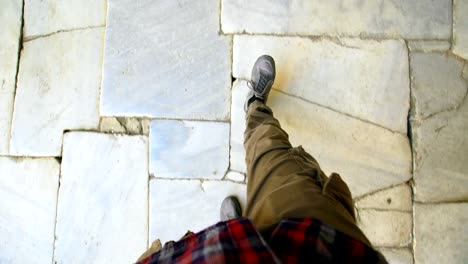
(286,182)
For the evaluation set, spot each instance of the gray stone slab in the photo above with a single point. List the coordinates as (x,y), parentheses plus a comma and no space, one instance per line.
(189,149)
(102,213)
(436,83)
(58,89)
(412,19)
(10,19)
(386,228)
(166,59)
(46,17)
(440,146)
(177,206)
(368,157)
(363,78)
(441,233)
(460,28)
(28,194)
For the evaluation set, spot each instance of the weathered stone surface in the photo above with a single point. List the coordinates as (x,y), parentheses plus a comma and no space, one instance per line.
(10,19)
(103,199)
(460,28)
(235,176)
(440,146)
(28,193)
(436,83)
(411,19)
(365,79)
(46,17)
(58,89)
(112,125)
(189,149)
(177,206)
(428,45)
(165,59)
(237,155)
(395,198)
(397,255)
(368,157)
(441,233)
(386,228)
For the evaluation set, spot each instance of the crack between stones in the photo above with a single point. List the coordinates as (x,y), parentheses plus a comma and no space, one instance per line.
(20,49)
(362,36)
(411,141)
(30,38)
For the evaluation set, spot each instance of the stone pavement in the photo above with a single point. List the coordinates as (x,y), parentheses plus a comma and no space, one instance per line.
(122,121)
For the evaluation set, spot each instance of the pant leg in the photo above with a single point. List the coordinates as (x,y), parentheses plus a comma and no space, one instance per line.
(286,182)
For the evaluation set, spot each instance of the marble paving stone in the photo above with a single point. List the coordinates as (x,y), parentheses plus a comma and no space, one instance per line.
(235,176)
(397,255)
(166,59)
(28,191)
(428,45)
(103,199)
(395,198)
(409,19)
(440,146)
(189,149)
(441,233)
(237,155)
(58,89)
(363,78)
(368,157)
(46,17)
(436,83)
(386,228)
(177,206)
(460,28)
(10,19)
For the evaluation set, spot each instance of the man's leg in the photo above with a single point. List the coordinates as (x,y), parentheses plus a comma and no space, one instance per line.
(286,182)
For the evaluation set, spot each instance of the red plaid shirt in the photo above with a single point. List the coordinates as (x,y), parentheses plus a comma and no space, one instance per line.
(293,241)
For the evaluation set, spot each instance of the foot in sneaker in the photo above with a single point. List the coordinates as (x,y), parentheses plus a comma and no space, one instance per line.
(230,209)
(263,76)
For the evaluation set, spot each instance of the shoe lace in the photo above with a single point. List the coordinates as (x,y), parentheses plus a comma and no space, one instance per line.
(261,85)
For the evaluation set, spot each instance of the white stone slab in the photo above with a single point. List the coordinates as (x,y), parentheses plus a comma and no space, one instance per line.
(46,17)
(237,155)
(189,149)
(386,228)
(368,157)
(460,28)
(103,199)
(421,19)
(441,233)
(436,83)
(395,198)
(28,194)
(397,255)
(177,206)
(440,146)
(58,89)
(10,19)
(166,59)
(235,176)
(363,78)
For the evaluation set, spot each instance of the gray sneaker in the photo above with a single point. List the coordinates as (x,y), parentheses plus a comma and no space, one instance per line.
(230,209)
(263,77)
